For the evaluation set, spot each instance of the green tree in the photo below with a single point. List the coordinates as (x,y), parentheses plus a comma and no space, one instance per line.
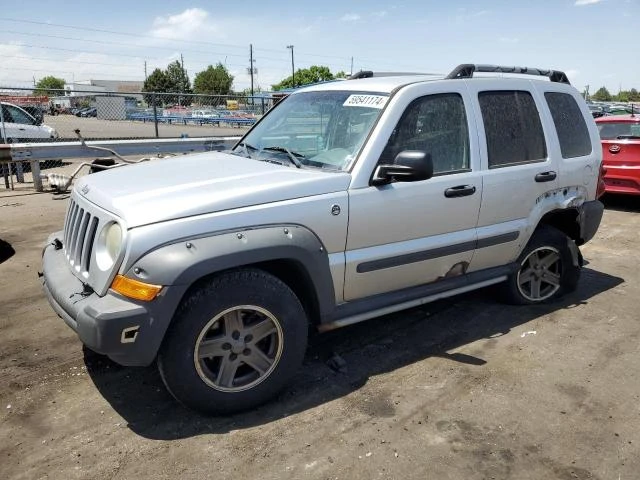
(634,95)
(622,96)
(602,95)
(156,82)
(178,81)
(49,85)
(213,81)
(247,91)
(305,76)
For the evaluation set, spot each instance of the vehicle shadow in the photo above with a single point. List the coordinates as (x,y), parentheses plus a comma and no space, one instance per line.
(6,251)
(362,351)
(621,203)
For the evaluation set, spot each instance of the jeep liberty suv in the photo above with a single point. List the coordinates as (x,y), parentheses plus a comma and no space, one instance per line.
(348,200)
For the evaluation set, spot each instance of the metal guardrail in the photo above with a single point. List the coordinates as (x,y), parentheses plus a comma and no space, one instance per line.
(176,119)
(34,153)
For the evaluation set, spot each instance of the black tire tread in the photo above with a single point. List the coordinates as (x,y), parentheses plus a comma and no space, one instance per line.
(545,235)
(175,359)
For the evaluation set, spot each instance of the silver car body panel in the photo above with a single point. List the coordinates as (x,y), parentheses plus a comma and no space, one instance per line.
(200,184)
(367,241)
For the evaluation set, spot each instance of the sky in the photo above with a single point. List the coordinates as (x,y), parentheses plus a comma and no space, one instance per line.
(594,41)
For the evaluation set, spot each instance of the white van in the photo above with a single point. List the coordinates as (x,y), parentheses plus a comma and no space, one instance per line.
(16,125)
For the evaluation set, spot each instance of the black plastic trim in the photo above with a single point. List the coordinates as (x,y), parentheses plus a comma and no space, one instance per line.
(589,218)
(430,254)
(466,70)
(397,297)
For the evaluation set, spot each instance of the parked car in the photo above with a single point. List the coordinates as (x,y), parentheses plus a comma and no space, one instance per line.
(20,126)
(597,111)
(347,201)
(620,137)
(35,111)
(89,112)
(80,111)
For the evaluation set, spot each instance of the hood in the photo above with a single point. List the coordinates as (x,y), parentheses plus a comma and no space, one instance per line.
(167,189)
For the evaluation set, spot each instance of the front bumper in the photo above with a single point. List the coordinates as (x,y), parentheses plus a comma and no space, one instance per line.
(129,332)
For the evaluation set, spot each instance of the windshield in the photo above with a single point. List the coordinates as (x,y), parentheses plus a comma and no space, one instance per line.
(615,130)
(320,129)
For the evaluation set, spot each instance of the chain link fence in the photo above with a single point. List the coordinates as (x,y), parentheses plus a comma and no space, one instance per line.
(65,115)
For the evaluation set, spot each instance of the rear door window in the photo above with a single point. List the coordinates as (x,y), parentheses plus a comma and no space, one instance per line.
(572,130)
(513,128)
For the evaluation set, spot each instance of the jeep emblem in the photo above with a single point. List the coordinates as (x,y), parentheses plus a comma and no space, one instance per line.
(85,189)
(614,148)
(335,209)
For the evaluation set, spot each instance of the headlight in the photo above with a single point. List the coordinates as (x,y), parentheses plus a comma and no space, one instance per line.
(108,246)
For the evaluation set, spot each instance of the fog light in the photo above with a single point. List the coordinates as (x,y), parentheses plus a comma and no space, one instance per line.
(135,289)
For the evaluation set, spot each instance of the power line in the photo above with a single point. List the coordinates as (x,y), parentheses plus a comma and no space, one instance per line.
(141,58)
(70,61)
(67,71)
(114,32)
(110,42)
(282,59)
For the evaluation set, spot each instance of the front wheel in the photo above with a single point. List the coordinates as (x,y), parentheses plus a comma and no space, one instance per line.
(546,269)
(234,343)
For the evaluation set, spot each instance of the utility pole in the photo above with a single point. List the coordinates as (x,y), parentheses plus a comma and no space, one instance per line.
(293,68)
(182,82)
(251,65)
(145,70)
(183,85)
(351,66)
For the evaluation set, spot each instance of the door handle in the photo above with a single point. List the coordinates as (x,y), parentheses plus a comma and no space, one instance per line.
(545,177)
(460,191)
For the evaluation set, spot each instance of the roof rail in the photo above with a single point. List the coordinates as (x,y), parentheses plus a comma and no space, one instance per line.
(466,70)
(370,74)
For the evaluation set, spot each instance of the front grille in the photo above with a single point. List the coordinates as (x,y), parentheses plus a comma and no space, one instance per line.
(79,234)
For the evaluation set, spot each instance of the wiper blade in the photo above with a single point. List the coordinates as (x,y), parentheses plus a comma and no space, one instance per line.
(622,137)
(246,148)
(292,155)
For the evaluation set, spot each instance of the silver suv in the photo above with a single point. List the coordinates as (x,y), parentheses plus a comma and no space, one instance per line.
(348,200)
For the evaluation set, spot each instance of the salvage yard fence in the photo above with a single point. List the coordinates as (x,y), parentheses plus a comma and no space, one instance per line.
(30,118)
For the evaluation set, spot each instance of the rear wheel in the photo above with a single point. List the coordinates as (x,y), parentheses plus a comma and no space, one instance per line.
(234,342)
(546,269)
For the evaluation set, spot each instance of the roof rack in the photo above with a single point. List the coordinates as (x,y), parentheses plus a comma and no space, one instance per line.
(466,70)
(370,74)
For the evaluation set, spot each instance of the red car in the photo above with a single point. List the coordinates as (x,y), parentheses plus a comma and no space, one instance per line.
(620,136)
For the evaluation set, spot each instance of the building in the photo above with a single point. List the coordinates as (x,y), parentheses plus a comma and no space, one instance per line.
(83,87)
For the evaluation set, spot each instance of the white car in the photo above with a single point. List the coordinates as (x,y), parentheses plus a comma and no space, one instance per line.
(16,125)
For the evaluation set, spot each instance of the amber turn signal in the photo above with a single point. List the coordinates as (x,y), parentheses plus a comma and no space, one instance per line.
(135,289)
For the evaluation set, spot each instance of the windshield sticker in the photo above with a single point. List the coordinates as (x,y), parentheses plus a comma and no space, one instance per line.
(371,101)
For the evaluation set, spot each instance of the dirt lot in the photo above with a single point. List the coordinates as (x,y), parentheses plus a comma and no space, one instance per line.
(464,389)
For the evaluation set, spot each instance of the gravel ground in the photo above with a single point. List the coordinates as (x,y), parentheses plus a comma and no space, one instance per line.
(463,389)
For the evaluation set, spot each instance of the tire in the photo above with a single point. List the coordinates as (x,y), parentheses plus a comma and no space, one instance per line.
(553,280)
(209,359)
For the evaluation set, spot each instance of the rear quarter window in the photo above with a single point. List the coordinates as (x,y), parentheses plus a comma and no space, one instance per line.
(572,130)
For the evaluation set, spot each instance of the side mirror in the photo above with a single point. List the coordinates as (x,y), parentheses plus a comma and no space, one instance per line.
(408,166)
